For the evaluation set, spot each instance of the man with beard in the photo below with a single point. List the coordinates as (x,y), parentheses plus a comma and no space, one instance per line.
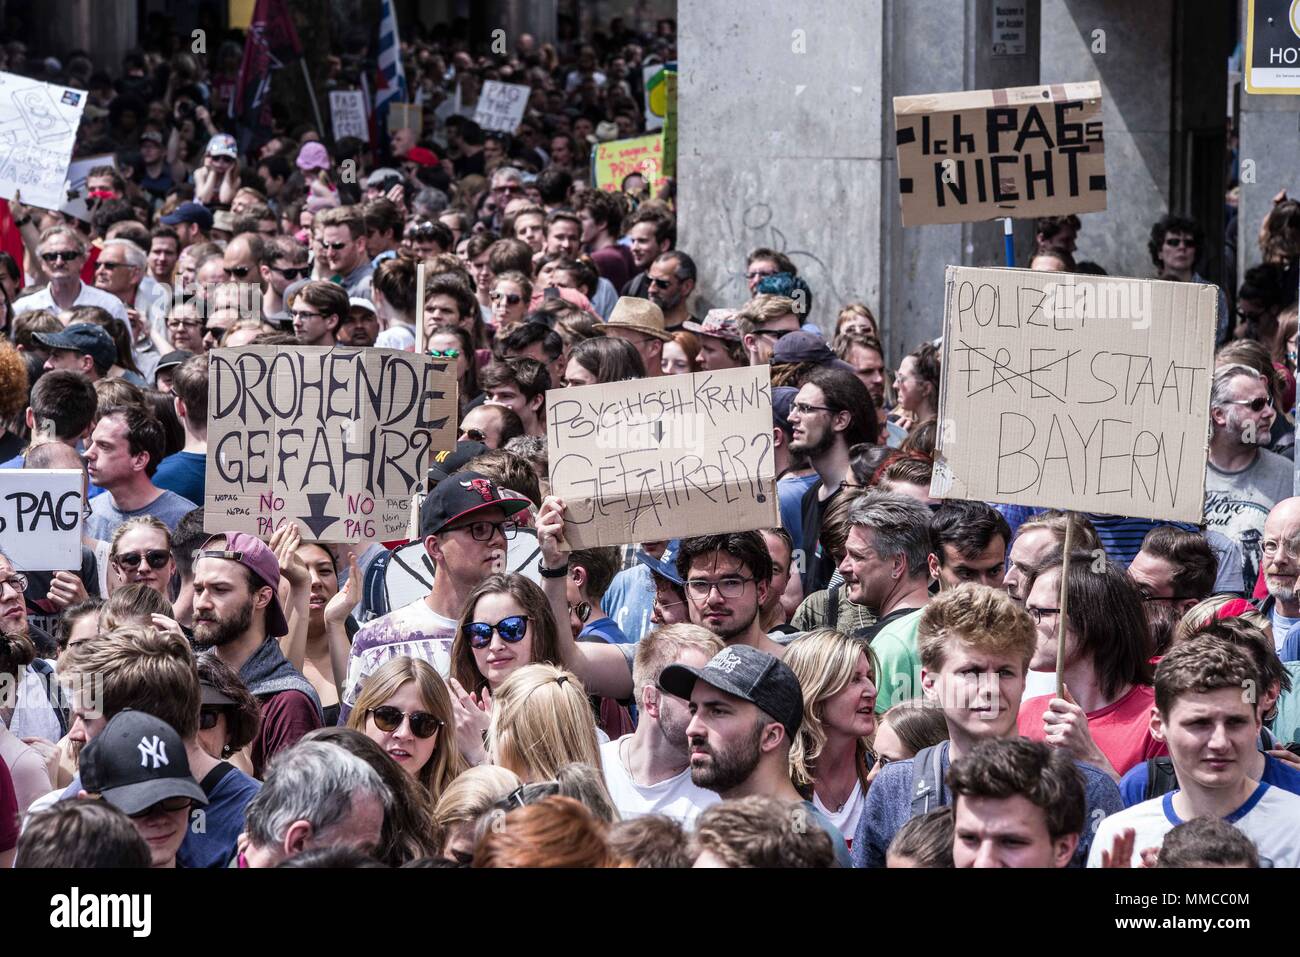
(746,708)
(727,580)
(1174,570)
(832,413)
(1243,480)
(237,613)
(648,772)
(670,281)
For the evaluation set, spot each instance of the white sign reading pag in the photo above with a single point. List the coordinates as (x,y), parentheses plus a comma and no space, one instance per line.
(38,128)
(40,518)
(348,114)
(501,106)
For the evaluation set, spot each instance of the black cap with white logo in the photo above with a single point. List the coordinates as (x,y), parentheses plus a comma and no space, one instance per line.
(137,761)
(749,674)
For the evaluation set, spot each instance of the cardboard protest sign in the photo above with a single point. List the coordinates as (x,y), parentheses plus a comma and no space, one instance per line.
(1075,392)
(1025,151)
(38,127)
(501,105)
(40,518)
(348,114)
(1273,46)
(406,116)
(336,439)
(660,458)
(75,187)
(611,162)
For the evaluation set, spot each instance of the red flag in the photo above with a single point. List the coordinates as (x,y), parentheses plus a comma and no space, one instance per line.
(11,240)
(272,43)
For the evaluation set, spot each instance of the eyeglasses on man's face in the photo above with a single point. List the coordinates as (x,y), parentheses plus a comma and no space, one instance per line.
(483,531)
(731,587)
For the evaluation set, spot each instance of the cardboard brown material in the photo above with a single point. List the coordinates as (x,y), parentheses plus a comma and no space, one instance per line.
(982,154)
(1075,392)
(335,439)
(663,458)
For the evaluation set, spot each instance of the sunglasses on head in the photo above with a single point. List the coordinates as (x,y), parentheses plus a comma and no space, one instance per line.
(388,719)
(479,633)
(156,557)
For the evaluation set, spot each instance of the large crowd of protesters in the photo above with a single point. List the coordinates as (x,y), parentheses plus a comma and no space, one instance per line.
(871,683)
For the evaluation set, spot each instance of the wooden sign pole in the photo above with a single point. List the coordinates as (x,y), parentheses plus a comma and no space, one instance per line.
(419,308)
(1060,618)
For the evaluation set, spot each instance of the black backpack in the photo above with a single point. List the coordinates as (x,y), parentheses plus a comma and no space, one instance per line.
(1161,778)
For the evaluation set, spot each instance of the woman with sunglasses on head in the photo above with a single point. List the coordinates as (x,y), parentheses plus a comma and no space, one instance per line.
(454,342)
(510,296)
(141,552)
(506,624)
(828,759)
(405,708)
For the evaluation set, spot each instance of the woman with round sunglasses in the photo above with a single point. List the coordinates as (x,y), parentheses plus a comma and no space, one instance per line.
(510,295)
(405,708)
(506,624)
(828,759)
(141,552)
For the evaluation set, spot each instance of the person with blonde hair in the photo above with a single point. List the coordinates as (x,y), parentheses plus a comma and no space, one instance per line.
(468,797)
(405,708)
(828,757)
(505,624)
(976,644)
(141,551)
(649,770)
(541,720)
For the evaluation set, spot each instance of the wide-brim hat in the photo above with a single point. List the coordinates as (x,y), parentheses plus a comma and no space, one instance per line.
(640,315)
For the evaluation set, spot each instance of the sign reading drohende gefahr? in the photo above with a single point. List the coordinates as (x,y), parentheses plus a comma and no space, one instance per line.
(336,439)
(1081,392)
(1024,151)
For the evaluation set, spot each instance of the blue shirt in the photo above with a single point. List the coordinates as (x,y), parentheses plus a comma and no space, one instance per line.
(790,490)
(17,462)
(214,830)
(1133,785)
(603,629)
(1291,647)
(183,473)
(630,599)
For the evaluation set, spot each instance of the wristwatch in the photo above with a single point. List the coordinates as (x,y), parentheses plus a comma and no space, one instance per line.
(553,572)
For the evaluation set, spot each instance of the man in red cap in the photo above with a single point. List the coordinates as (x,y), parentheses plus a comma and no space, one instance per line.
(237,613)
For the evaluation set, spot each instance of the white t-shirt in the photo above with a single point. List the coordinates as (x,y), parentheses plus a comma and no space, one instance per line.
(414,630)
(676,797)
(1270,818)
(846,818)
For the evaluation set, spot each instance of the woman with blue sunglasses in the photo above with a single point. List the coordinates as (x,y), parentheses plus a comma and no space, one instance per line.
(506,624)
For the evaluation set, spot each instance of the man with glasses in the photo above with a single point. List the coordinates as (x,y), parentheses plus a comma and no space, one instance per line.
(286,260)
(763,262)
(493,425)
(343,239)
(670,280)
(62,252)
(466,524)
(244,261)
(1175,569)
(831,413)
(1174,245)
(187,327)
(1280,551)
(1243,479)
(318,310)
(975,647)
(727,578)
(762,322)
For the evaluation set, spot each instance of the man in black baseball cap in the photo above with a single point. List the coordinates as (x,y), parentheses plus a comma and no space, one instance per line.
(466,523)
(138,764)
(746,709)
(162,372)
(82,347)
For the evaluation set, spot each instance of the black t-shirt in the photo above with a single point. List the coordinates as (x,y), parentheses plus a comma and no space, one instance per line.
(819,566)
(40,613)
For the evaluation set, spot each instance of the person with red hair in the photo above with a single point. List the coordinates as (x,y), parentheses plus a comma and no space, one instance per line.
(554,832)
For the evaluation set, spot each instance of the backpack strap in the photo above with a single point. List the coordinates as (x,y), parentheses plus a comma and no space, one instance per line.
(1161,778)
(833,606)
(927,779)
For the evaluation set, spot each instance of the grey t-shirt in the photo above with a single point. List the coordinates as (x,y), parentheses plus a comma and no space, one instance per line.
(169,508)
(1236,504)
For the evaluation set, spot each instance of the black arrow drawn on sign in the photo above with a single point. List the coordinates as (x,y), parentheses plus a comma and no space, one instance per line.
(317,521)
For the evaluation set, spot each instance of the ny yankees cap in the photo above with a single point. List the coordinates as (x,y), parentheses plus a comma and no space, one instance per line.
(137,761)
(749,674)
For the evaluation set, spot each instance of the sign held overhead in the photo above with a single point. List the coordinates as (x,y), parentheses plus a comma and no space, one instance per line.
(40,518)
(1075,392)
(335,439)
(1023,152)
(661,458)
